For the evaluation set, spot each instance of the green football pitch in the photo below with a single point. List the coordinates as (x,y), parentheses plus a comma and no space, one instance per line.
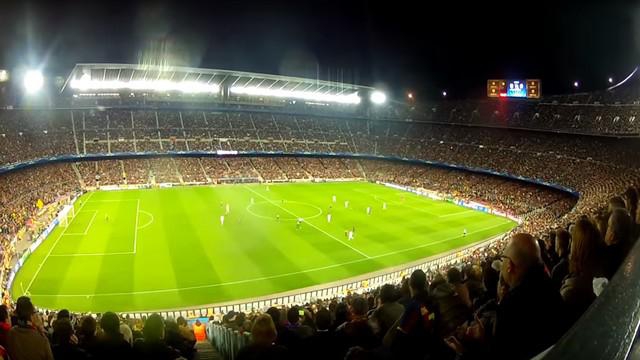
(137,250)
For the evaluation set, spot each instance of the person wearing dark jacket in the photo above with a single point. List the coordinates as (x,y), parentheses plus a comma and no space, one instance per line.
(62,345)
(111,344)
(388,312)
(322,345)
(153,347)
(27,339)
(413,335)
(529,317)
(451,307)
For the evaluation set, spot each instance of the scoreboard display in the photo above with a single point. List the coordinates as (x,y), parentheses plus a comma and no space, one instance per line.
(529,88)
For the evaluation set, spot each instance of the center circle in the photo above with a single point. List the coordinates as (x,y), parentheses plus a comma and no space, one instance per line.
(287,210)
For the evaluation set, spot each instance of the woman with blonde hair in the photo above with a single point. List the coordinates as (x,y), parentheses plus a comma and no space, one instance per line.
(584,264)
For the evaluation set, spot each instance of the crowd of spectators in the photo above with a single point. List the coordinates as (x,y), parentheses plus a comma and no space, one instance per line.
(467,311)
(511,300)
(26,334)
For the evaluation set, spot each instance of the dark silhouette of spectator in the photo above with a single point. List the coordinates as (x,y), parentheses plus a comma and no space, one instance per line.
(561,270)
(388,312)
(405,293)
(357,331)
(284,337)
(63,344)
(454,277)
(341,315)
(27,339)
(295,323)
(451,307)
(413,335)
(322,344)
(5,325)
(87,338)
(153,346)
(110,343)
(263,347)
(174,339)
(474,284)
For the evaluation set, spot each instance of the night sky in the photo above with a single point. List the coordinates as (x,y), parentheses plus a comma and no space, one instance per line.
(397,45)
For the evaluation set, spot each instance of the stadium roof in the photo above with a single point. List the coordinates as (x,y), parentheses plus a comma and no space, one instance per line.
(97,77)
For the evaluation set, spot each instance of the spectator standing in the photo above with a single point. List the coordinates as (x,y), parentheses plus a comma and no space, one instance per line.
(110,343)
(200,331)
(87,334)
(65,343)
(153,346)
(357,332)
(413,335)
(27,339)
(388,312)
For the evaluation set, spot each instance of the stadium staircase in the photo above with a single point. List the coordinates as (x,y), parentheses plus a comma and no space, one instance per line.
(206,351)
(364,173)
(75,170)
(226,341)
(204,171)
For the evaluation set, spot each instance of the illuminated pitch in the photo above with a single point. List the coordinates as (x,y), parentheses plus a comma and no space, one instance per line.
(137,250)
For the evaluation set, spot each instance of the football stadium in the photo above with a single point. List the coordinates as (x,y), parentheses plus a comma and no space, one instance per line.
(166,209)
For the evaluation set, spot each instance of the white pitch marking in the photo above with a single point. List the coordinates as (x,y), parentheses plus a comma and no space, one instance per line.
(148,223)
(93,254)
(56,243)
(159,291)
(310,224)
(135,233)
(90,222)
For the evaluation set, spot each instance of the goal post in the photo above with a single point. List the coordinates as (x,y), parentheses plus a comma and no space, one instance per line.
(66,214)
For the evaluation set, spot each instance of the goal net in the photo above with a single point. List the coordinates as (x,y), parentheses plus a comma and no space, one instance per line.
(66,215)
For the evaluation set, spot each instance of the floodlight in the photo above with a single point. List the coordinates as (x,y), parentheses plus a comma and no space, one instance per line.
(33,81)
(85,83)
(576,84)
(610,80)
(378,97)
(444,94)
(352,98)
(410,95)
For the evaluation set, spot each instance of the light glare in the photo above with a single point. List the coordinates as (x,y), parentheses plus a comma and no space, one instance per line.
(378,97)
(33,81)
(85,83)
(352,98)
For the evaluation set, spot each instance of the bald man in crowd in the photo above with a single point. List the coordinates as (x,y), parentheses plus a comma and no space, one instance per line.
(529,317)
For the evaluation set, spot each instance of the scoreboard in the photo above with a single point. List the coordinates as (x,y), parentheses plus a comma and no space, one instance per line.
(529,88)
